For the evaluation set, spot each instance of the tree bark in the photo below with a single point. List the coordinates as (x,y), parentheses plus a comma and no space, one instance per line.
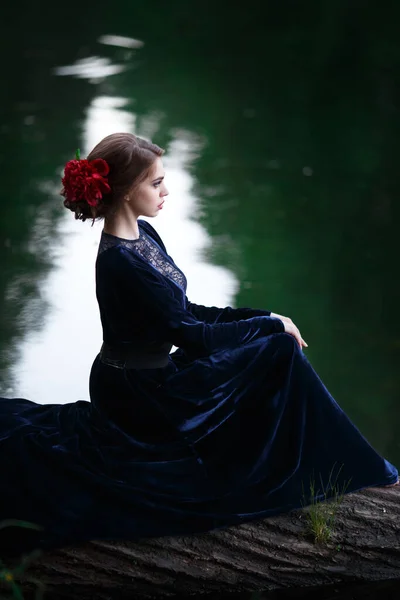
(275,555)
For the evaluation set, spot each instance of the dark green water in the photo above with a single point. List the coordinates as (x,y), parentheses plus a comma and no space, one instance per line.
(281,123)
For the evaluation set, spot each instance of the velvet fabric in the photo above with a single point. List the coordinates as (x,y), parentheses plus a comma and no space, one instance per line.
(235,428)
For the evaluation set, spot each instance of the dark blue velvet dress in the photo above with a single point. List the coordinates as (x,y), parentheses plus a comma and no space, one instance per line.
(232,426)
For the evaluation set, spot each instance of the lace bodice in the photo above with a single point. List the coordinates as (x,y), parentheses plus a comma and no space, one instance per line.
(150,251)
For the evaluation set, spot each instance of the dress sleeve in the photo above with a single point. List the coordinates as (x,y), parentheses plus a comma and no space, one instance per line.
(213,314)
(157,300)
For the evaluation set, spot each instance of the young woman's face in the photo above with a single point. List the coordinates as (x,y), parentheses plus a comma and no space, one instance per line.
(148,198)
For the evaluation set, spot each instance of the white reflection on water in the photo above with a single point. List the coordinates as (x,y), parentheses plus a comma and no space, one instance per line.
(55,362)
(120,41)
(106,115)
(92,68)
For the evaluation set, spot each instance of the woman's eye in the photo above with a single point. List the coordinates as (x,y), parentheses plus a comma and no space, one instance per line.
(157,184)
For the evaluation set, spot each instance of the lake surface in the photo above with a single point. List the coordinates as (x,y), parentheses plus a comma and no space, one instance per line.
(281,131)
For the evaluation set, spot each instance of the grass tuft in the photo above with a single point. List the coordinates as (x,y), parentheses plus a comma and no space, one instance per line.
(321,506)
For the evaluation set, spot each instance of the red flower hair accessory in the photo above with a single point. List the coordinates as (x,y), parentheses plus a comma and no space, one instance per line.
(86,180)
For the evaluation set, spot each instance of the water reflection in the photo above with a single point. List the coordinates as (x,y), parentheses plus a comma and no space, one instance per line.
(105,115)
(93,67)
(55,362)
(120,41)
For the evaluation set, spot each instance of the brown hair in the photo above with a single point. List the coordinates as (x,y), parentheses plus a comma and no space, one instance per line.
(130,159)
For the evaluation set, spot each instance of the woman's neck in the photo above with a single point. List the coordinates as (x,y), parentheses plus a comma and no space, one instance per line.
(123,225)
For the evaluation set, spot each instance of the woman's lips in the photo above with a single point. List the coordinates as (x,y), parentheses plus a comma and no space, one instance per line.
(160,205)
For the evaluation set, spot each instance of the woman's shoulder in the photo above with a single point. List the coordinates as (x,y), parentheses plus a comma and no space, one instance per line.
(114,254)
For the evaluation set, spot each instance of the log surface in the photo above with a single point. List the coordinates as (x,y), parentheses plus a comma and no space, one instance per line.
(272,554)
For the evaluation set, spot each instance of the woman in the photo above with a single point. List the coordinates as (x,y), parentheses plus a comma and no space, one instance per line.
(232,426)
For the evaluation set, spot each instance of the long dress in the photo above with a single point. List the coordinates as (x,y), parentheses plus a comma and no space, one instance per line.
(232,426)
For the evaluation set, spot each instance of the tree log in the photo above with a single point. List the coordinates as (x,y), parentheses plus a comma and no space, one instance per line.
(272,554)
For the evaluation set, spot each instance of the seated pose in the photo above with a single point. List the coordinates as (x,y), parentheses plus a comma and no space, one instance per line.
(232,426)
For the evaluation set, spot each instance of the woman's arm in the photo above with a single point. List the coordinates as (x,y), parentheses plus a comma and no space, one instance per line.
(213,314)
(157,301)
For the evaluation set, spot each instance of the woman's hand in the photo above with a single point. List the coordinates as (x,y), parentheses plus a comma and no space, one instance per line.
(291,329)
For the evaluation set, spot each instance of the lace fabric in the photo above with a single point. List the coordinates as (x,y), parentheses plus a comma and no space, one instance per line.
(149,251)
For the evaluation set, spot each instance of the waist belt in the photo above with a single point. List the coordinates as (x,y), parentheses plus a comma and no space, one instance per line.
(126,357)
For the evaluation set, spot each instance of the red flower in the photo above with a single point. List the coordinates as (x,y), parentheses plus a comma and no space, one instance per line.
(86,180)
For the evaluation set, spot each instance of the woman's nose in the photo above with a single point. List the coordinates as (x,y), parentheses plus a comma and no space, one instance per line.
(164,192)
